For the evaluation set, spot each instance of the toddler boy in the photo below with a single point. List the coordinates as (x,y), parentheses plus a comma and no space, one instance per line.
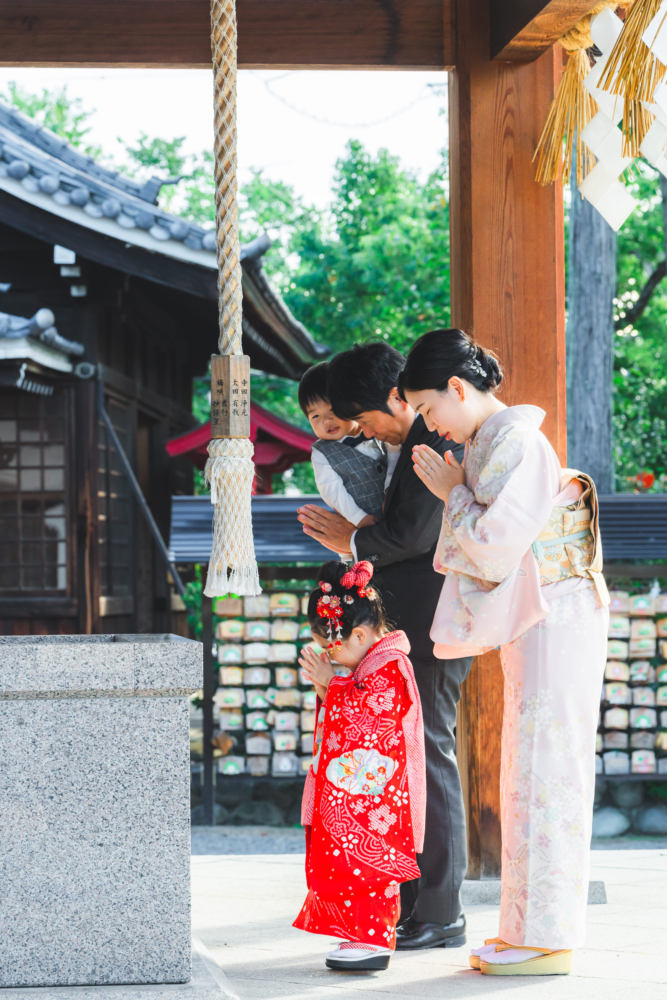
(349,469)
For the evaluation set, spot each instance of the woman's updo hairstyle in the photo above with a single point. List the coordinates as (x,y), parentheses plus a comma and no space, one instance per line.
(357,609)
(443,354)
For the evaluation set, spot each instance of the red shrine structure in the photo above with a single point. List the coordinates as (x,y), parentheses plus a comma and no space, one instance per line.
(278,446)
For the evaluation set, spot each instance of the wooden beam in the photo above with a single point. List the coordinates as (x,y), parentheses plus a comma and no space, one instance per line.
(507,280)
(294,34)
(521,30)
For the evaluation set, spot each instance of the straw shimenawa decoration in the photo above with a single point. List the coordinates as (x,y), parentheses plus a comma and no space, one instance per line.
(633,72)
(229,469)
(572,108)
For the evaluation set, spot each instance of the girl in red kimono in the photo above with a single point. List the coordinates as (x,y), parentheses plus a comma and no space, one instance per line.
(365,794)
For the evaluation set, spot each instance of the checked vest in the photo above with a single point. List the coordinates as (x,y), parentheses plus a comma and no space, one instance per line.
(363,475)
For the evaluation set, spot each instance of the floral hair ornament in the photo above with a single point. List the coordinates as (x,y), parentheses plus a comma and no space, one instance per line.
(325,587)
(475,366)
(329,607)
(358,577)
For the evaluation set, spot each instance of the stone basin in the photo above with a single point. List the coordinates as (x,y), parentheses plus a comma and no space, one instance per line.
(95,809)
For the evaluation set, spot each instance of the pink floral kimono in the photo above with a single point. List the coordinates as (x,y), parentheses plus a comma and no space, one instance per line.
(521,552)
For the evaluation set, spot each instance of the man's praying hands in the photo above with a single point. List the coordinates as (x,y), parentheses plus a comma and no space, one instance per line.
(328,527)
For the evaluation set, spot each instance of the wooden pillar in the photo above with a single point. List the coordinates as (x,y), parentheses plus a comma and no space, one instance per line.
(209,685)
(86,461)
(507,280)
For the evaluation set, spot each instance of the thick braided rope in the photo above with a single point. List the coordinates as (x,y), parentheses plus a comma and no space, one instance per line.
(223,49)
(230,471)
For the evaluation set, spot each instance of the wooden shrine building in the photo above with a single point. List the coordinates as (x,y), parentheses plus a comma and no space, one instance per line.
(96,282)
(507,266)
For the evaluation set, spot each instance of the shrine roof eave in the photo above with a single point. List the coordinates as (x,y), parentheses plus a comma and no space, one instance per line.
(276,342)
(50,190)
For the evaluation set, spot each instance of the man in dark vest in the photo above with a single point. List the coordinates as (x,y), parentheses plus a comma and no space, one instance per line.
(362,387)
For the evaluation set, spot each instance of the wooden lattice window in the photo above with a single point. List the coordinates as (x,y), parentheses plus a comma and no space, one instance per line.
(33,513)
(116,512)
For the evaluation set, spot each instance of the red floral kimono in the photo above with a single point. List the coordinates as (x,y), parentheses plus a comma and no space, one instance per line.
(364,799)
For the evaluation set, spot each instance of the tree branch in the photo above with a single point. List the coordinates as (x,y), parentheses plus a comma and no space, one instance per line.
(633,314)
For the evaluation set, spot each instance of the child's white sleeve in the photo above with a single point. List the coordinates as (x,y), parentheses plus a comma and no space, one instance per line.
(331,488)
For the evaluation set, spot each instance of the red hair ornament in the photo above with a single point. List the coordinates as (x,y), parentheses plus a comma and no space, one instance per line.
(329,607)
(358,577)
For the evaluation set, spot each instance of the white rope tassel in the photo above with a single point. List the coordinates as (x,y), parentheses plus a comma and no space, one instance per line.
(229,471)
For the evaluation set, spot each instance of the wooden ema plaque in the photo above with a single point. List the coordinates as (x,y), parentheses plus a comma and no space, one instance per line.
(230,396)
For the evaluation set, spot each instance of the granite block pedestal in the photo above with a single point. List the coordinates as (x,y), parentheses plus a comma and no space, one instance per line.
(95,809)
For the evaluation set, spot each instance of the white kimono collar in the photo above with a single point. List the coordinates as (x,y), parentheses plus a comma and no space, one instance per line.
(522,414)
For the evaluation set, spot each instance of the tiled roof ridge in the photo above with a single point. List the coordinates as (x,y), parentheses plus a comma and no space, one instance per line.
(20,124)
(40,327)
(34,157)
(40,171)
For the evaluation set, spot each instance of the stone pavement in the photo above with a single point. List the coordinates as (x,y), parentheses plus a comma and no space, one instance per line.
(244,903)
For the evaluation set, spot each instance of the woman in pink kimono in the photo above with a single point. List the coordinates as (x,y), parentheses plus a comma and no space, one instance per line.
(521,552)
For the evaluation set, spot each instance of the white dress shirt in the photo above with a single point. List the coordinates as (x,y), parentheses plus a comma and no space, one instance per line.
(330,484)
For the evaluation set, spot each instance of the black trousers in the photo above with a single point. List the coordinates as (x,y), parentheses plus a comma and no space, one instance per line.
(435,897)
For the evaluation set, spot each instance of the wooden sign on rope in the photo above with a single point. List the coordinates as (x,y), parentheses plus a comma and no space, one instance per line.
(230,396)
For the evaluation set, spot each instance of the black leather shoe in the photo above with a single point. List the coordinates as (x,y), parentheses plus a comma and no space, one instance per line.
(412,935)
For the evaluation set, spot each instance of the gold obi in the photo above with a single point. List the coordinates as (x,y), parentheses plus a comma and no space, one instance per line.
(564,548)
(569,545)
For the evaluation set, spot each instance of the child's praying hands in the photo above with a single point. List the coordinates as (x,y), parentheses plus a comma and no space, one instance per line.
(318,669)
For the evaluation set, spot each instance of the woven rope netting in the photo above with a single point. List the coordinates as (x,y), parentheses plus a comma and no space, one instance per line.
(230,469)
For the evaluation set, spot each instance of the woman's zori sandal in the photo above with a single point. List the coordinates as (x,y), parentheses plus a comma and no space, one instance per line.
(477,953)
(497,958)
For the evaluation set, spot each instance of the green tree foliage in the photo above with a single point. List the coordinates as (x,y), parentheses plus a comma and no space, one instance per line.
(55,110)
(194,196)
(373,266)
(156,154)
(640,368)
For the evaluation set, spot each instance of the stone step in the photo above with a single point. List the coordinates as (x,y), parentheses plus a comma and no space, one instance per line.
(208,982)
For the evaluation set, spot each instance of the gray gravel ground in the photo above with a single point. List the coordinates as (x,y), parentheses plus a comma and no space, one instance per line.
(243,908)
(247,840)
(290,840)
